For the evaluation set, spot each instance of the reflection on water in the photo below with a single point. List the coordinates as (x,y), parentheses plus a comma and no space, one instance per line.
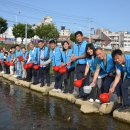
(23,109)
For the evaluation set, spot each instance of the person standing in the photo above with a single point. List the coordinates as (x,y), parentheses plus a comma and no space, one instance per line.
(44,62)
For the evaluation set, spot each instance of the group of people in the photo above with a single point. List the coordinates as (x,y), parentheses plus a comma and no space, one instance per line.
(105,73)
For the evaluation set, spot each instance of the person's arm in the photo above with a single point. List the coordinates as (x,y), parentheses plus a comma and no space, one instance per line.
(47,62)
(86,69)
(116,81)
(95,77)
(78,57)
(29,59)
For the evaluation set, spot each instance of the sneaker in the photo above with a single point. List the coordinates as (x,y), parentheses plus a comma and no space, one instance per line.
(42,85)
(59,90)
(91,100)
(97,101)
(15,76)
(54,90)
(2,72)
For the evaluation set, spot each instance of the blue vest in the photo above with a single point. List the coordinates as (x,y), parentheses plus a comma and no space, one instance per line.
(1,56)
(18,53)
(12,55)
(66,58)
(127,66)
(110,66)
(8,58)
(92,64)
(80,50)
(24,55)
(34,55)
(46,54)
(55,57)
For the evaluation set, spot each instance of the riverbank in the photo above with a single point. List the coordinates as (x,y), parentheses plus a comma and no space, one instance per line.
(85,106)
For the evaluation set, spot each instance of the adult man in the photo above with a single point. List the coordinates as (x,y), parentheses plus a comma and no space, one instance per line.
(44,62)
(105,72)
(122,67)
(33,58)
(79,57)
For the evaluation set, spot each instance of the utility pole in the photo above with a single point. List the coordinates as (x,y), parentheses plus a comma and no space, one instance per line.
(90,24)
(26,34)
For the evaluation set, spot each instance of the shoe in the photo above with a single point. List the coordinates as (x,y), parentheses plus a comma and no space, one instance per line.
(48,84)
(59,90)
(2,72)
(54,90)
(42,85)
(15,76)
(34,83)
(124,108)
(97,101)
(91,100)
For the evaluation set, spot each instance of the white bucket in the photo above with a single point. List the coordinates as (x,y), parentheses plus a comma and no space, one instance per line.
(87,89)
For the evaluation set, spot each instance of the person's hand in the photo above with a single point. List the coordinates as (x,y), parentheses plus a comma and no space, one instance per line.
(111,74)
(68,64)
(111,90)
(74,58)
(42,58)
(61,65)
(92,84)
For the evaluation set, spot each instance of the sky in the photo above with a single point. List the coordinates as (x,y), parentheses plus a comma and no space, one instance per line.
(74,14)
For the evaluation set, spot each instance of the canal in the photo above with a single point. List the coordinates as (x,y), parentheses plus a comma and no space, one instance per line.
(23,109)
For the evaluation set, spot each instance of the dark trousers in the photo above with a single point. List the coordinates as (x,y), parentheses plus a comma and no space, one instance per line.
(58,80)
(124,87)
(106,84)
(29,74)
(44,74)
(95,92)
(80,69)
(68,80)
(7,69)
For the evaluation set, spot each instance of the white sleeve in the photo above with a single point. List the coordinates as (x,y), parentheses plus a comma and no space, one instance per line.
(47,62)
(29,59)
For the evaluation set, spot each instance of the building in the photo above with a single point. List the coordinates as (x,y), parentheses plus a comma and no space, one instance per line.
(64,34)
(45,21)
(117,39)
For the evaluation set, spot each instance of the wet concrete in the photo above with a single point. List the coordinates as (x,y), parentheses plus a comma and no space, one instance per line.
(23,109)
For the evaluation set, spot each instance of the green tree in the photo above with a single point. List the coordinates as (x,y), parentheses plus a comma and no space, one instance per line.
(19,31)
(47,32)
(3,25)
(72,37)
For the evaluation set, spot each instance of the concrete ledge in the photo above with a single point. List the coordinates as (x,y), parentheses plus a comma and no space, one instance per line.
(24,83)
(1,74)
(79,102)
(44,89)
(69,97)
(122,116)
(88,107)
(106,108)
(6,76)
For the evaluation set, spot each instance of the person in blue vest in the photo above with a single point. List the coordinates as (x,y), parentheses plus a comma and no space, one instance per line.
(25,57)
(80,58)
(44,62)
(122,68)
(12,59)
(69,75)
(55,55)
(89,72)
(32,75)
(7,58)
(18,65)
(105,71)
(1,61)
